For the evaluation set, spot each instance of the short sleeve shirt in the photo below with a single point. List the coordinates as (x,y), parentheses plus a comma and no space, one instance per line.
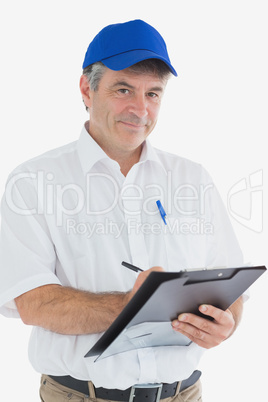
(70,217)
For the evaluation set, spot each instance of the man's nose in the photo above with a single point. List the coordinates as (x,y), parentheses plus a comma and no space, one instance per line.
(139,106)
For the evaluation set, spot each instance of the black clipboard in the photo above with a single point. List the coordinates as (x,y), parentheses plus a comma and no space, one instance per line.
(146,320)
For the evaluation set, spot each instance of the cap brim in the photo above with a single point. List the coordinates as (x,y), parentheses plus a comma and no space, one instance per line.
(127,59)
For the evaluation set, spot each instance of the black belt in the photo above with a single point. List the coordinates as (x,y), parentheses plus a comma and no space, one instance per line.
(142,394)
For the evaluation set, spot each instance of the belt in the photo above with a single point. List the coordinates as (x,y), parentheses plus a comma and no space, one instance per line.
(141,393)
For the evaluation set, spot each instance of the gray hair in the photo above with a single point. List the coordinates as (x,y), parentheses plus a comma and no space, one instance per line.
(94,72)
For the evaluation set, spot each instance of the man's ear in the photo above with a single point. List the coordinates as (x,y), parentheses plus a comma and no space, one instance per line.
(85,90)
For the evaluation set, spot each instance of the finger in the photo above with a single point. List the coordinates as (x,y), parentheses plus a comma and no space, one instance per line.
(220,316)
(156,268)
(202,331)
(194,325)
(199,330)
(196,336)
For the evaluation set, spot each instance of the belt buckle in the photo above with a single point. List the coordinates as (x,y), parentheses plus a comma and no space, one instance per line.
(132,391)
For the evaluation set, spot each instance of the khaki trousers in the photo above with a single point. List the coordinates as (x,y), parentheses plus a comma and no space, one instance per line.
(51,391)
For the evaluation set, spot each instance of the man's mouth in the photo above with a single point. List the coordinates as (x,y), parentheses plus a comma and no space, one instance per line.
(133,122)
(132,125)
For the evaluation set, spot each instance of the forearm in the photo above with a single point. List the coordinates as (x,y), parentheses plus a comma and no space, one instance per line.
(69,311)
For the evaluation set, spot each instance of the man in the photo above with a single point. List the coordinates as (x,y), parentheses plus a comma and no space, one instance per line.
(72,215)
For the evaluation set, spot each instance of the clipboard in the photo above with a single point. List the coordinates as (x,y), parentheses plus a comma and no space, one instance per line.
(146,319)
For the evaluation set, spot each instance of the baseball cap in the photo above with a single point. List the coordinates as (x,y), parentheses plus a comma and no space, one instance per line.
(119,46)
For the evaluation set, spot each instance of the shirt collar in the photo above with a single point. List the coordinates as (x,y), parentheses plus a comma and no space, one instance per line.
(149,153)
(90,152)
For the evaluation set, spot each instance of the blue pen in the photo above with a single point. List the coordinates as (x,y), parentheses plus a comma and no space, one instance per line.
(162,211)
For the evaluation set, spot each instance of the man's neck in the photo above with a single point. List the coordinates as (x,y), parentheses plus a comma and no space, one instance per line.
(128,161)
(125,158)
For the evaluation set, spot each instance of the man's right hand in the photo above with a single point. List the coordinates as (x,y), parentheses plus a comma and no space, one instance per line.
(141,278)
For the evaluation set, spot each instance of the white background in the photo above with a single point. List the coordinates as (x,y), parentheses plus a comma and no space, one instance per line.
(215,113)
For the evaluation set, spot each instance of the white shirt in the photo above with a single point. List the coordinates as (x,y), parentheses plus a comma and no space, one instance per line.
(70,217)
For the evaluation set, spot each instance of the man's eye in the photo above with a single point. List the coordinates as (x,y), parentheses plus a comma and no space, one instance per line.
(123,91)
(152,95)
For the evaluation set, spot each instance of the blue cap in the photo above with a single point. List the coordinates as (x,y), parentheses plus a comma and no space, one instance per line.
(119,46)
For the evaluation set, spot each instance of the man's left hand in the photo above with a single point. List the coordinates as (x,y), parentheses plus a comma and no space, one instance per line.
(203,332)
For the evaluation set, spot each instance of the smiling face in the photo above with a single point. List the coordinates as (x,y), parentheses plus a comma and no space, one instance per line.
(123,111)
